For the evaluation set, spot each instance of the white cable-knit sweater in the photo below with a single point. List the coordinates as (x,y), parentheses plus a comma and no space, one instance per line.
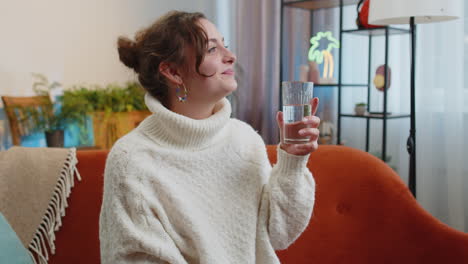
(179,190)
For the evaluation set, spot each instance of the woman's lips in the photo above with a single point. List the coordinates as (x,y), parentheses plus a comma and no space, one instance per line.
(228,72)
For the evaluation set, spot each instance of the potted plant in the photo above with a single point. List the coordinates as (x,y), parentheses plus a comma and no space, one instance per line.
(114,109)
(49,117)
(360,108)
(42,86)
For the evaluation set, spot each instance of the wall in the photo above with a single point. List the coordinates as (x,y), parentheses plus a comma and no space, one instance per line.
(73,41)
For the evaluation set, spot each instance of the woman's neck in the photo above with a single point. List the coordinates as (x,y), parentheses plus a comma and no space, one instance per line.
(192,110)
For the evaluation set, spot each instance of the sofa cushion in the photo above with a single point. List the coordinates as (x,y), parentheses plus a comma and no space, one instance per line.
(11,248)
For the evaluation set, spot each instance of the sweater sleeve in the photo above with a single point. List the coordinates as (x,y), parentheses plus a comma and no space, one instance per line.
(129,231)
(287,198)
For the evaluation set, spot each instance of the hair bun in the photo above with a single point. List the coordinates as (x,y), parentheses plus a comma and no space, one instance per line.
(128,52)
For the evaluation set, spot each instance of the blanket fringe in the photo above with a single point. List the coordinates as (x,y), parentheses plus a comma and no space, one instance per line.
(44,238)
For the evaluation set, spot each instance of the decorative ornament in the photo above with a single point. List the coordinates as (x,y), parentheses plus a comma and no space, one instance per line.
(362,19)
(323,56)
(379,79)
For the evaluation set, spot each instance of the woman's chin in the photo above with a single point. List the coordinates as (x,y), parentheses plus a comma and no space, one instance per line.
(232,85)
(227,90)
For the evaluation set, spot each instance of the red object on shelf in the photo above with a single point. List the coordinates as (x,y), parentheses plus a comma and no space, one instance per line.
(363,15)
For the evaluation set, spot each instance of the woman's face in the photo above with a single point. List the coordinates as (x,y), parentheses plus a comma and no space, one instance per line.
(218,64)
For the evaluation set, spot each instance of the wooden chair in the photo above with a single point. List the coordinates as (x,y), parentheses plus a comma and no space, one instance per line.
(13,106)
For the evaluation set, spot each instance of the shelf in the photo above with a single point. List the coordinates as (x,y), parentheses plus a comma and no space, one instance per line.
(318,4)
(336,85)
(325,84)
(361,85)
(377,116)
(354,85)
(377,31)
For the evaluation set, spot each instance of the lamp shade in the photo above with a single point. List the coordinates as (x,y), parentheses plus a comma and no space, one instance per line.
(386,12)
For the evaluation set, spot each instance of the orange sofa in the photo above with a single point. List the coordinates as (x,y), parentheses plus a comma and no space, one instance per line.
(363,214)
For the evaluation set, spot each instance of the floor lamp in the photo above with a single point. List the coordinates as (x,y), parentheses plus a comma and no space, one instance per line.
(387,12)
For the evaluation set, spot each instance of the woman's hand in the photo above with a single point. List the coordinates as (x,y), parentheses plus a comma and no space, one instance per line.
(312,122)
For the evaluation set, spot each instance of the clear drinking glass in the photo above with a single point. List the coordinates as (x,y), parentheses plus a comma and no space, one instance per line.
(296,105)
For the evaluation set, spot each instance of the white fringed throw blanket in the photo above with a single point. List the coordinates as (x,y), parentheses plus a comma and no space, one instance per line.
(34,186)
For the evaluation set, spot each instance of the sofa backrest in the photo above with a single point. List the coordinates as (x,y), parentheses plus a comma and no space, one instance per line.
(363,213)
(77,241)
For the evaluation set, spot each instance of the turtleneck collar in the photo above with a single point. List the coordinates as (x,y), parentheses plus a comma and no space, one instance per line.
(170,129)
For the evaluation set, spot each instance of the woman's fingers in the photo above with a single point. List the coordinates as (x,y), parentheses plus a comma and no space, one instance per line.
(304,149)
(311,121)
(279,121)
(313,133)
(315,103)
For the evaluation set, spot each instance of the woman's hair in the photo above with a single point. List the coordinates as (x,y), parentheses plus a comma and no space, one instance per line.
(164,41)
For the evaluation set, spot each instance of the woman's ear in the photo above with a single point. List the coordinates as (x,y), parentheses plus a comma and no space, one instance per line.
(171,73)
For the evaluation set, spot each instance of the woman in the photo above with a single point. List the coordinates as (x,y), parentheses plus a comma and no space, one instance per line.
(190,184)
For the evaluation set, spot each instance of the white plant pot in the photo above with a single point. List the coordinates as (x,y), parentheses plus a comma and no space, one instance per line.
(360,110)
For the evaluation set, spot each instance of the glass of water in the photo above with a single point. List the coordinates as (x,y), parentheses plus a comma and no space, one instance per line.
(296,105)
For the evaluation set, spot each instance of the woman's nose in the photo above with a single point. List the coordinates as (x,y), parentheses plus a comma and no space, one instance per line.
(229,57)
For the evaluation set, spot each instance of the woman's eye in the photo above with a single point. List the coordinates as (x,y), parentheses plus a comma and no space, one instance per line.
(211,49)
(226,47)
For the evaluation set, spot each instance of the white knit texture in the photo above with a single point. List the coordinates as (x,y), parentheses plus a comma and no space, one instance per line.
(179,190)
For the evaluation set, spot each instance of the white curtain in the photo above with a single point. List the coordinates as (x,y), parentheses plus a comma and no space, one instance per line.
(256,44)
(442,121)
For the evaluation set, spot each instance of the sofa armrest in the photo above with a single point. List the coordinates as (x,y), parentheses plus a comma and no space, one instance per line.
(364,213)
